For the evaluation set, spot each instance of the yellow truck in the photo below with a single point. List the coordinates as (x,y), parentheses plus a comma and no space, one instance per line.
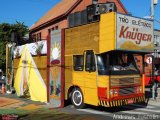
(100,65)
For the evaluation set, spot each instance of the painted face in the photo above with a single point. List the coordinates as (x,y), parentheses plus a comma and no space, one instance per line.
(55,72)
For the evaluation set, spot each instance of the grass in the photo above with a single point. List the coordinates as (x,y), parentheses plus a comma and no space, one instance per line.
(13,111)
(18,113)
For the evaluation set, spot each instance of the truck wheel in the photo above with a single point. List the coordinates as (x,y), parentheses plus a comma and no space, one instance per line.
(77,98)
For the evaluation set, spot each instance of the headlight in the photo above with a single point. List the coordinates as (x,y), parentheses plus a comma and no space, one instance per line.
(138,89)
(111,92)
(114,92)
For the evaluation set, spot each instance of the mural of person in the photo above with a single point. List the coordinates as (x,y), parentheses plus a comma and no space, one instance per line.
(55,72)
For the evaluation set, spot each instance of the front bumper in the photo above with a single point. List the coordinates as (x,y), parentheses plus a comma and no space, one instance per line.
(121,102)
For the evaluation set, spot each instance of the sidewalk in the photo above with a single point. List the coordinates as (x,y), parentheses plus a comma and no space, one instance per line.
(149,99)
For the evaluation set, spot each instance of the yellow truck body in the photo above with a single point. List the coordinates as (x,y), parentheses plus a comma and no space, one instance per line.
(101,37)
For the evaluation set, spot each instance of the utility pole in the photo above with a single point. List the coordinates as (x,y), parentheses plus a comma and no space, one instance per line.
(152,9)
(154,85)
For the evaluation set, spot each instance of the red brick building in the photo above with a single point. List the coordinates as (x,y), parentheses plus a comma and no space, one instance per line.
(57,17)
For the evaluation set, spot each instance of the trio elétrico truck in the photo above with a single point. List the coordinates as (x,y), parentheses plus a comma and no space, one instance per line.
(100,60)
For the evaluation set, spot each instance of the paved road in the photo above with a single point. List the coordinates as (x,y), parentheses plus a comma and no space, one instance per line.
(151,111)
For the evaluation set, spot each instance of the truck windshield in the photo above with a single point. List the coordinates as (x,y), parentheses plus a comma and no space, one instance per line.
(116,63)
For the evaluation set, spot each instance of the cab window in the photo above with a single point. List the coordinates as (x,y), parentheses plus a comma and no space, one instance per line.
(78,62)
(90,61)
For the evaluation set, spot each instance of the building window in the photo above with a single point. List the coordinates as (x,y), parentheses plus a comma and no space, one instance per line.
(78,62)
(34,38)
(53,29)
(49,31)
(39,36)
(56,27)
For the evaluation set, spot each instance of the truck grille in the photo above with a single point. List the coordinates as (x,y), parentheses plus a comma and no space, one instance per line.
(125,81)
(127,90)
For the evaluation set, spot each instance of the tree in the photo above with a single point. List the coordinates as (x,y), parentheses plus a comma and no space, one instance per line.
(6,29)
(20,30)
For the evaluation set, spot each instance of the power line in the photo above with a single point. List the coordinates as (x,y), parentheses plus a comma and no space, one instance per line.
(157,21)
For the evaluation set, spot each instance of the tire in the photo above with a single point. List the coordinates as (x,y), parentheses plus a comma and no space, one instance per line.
(77,98)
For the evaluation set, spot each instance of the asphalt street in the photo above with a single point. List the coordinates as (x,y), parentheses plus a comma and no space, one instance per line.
(150,111)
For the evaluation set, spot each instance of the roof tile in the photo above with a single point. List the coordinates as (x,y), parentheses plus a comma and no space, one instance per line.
(59,9)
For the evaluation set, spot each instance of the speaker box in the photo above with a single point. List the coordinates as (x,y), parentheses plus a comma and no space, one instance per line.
(77,18)
(71,20)
(97,9)
(84,17)
(91,16)
(104,8)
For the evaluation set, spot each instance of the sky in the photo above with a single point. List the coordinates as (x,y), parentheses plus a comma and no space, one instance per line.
(30,11)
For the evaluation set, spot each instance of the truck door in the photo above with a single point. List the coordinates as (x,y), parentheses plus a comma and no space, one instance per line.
(90,78)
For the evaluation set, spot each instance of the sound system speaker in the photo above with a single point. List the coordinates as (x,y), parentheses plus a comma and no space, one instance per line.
(84,17)
(91,14)
(104,8)
(97,9)
(71,20)
(77,18)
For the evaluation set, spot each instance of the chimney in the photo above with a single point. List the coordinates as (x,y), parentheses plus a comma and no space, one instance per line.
(94,1)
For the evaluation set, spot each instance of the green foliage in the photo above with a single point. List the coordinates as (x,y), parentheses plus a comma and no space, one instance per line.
(39,48)
(5,37)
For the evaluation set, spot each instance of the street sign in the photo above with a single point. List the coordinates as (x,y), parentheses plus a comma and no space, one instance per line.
(149,60)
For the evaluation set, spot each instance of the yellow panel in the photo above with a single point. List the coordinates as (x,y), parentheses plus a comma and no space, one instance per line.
(90,96)
(102,81)
(15,64)
(107,32)
(87,82)
(41,63)
(68,74)
(68,69)
(78,78)
(82,38)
